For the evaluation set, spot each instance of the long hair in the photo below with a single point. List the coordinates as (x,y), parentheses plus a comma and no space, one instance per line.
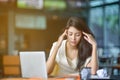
(84,47)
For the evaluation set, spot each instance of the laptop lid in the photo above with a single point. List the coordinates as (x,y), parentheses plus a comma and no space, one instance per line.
(33,64)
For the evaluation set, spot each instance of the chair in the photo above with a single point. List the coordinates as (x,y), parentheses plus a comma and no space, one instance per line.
(55,70)
(11,66)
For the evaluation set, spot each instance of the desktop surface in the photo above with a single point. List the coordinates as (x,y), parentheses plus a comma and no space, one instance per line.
(50,78)
(113,77)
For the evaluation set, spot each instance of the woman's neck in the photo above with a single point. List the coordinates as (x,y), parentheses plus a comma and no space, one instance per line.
(71,52)
(71,47)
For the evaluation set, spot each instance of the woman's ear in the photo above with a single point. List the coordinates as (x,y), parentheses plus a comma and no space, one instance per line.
(66,34)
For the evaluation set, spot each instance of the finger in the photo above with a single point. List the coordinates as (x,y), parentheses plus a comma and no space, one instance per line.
(86,38)
(86,34)
(83,32)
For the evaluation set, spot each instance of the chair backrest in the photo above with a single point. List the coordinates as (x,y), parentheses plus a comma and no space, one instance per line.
(55,70)
(11,66)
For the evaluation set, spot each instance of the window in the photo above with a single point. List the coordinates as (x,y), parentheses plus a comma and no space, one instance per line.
(110,1)
(104,23)
(30,4)
(96,24)
(25,21)
(96,3)
(55,4)
(111,34)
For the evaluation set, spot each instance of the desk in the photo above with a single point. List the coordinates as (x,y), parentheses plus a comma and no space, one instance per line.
(112,67)
(55,78)
(117,66)
(68,78)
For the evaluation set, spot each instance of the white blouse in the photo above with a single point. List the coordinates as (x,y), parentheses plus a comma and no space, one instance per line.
(66,65)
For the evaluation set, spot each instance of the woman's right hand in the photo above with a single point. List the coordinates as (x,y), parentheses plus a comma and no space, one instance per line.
(60,39)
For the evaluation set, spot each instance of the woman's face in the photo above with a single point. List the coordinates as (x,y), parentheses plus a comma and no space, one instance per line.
(73,36)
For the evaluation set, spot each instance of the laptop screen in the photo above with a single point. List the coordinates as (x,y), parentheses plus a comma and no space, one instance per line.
(33,64)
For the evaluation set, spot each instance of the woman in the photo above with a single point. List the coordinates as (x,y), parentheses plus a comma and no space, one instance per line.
(75,52)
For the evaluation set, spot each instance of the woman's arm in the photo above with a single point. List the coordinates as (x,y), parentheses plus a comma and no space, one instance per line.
(51,60)
(94,58)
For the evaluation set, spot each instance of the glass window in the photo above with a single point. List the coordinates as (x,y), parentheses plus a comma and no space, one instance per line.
(30,4)
(55,4)
(96,2)
(96,24)
(111,31)
(104,22)
(110,1)
(27,21)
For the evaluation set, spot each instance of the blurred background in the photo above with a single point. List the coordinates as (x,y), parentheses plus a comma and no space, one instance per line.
(33,25)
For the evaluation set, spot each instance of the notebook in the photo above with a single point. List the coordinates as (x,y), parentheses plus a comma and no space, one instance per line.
(33,64)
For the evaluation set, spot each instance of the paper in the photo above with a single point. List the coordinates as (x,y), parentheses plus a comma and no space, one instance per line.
(102,73)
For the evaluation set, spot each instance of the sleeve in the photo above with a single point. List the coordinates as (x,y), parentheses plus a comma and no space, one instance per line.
(87,61)
(51,50)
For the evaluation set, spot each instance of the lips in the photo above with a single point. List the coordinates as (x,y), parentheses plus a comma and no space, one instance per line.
(73,42)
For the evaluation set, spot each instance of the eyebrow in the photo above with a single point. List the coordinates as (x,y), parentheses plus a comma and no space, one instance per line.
(72,32)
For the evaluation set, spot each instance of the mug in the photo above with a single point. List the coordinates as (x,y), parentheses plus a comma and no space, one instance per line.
(85,73)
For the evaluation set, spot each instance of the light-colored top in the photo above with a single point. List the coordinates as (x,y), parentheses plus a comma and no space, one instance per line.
(66,65)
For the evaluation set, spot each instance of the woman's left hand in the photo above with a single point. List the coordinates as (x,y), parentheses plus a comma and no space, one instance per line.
(89,38)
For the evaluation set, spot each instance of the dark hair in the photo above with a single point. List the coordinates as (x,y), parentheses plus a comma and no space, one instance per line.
(84,47)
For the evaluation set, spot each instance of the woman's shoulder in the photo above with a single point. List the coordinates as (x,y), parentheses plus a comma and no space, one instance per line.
(63,42)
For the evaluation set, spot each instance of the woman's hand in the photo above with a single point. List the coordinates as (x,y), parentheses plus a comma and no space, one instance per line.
(94,59)
(60,39)
(89,38)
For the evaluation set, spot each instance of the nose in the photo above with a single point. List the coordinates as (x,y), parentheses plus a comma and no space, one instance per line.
(73,37)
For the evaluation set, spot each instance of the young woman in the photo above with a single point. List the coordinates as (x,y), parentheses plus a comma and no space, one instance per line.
(75,52)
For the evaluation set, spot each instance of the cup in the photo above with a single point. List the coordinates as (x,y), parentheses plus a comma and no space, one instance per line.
(85,73)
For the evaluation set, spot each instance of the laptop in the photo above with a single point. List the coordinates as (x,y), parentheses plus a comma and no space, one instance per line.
(33,64)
